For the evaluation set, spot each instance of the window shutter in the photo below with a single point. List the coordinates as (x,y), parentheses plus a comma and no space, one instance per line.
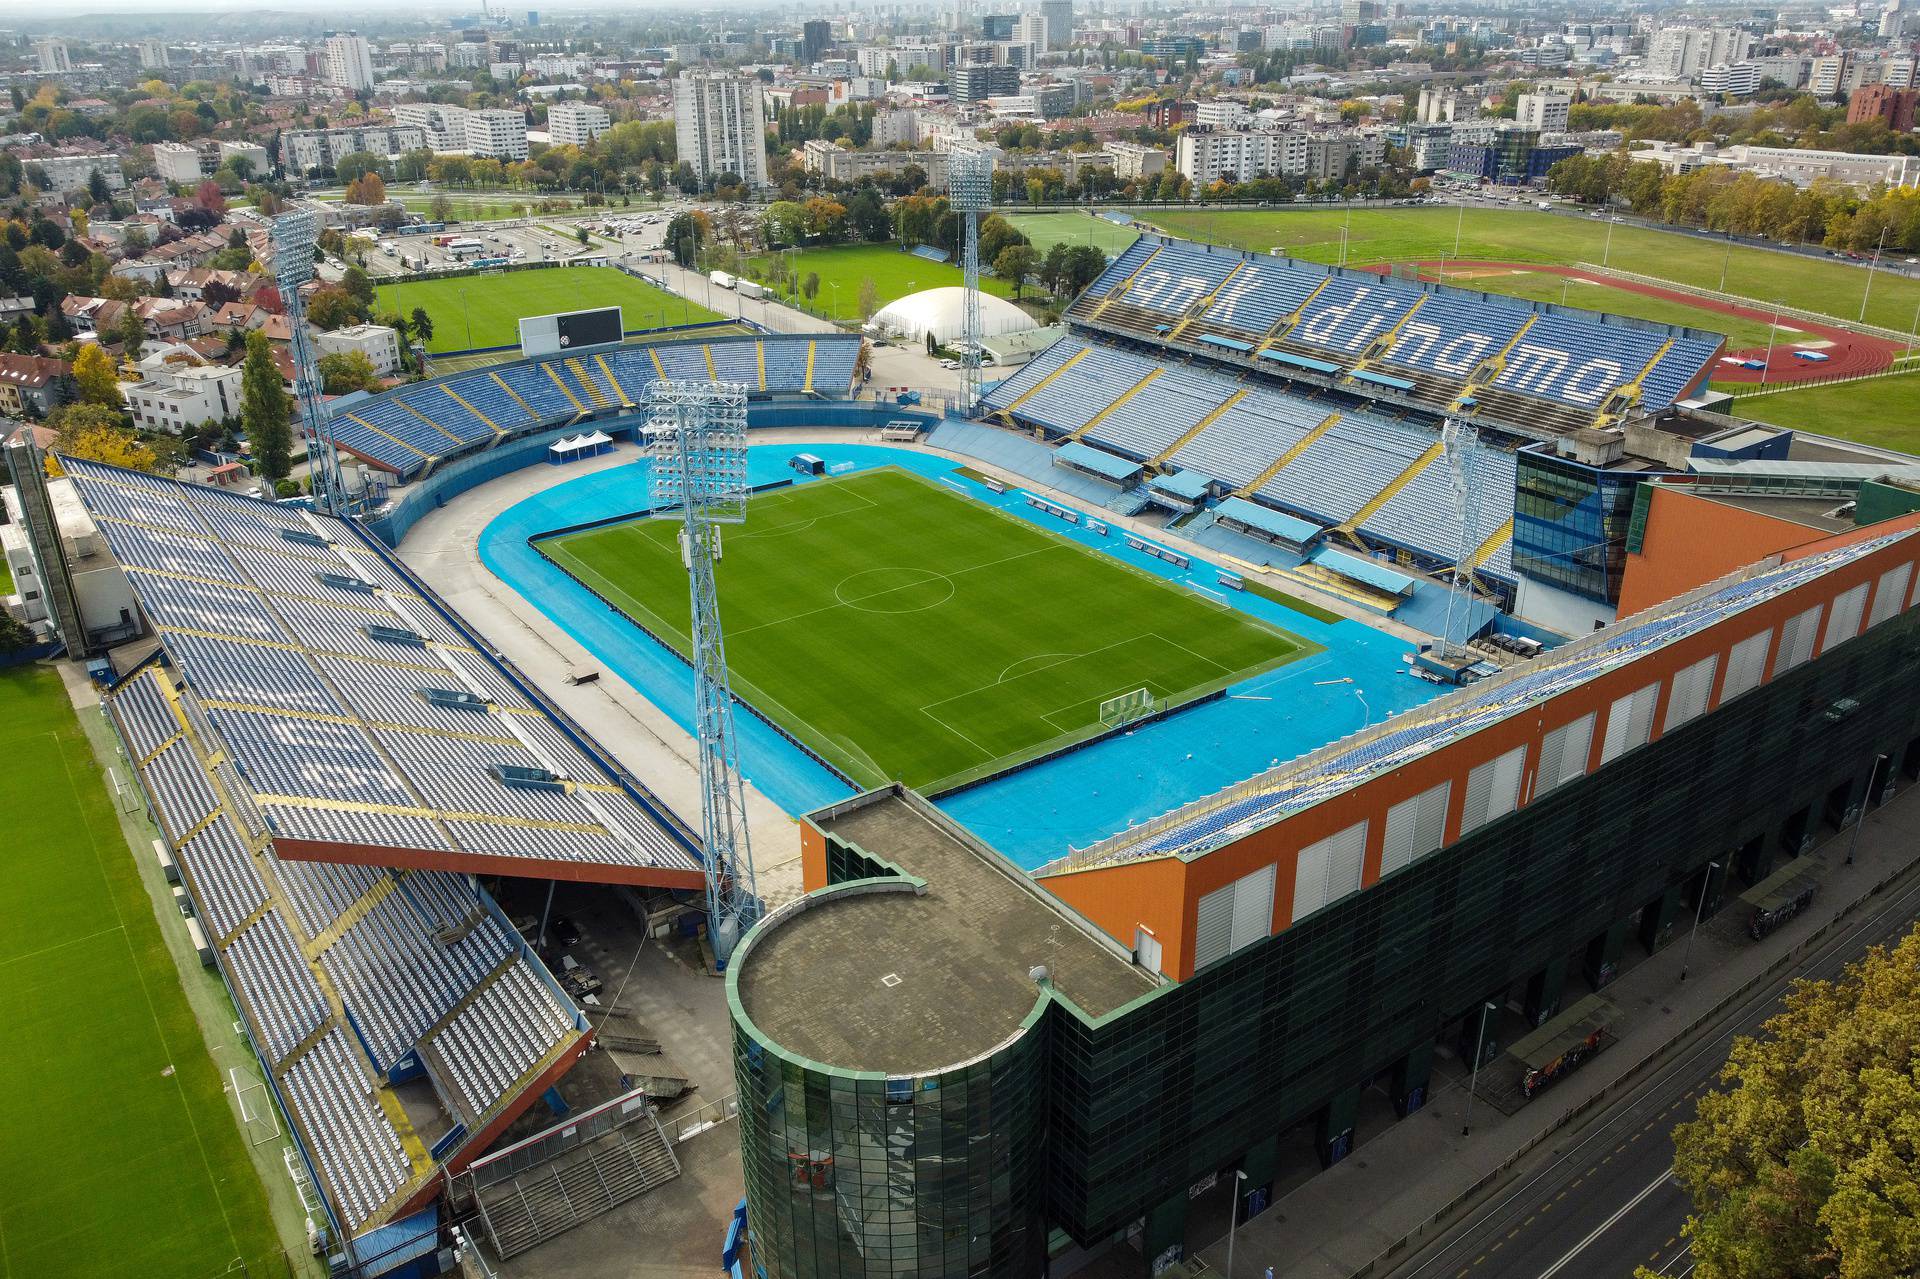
(1563,754)
(1252,908)
(1347,862)
(1691,688)
(1415,827)
(1310,880)
(1329,869)
(1746,663)
(1629,721)
(1843,622)
(1213,927)
(1493,790)
(1797,635)
(1890,593)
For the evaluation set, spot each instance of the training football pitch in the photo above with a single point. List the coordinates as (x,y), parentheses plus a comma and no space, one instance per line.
(843,269)
(119,1153)
(485,310)
(902,631)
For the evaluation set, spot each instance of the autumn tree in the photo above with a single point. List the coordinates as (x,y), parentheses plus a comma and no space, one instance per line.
(1809,1162)
(344,371)
(98,434)
(264,409)
(94,379)
(367,189)
(210,197)
(869,298)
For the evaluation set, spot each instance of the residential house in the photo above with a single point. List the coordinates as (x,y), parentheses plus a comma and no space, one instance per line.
(33,385)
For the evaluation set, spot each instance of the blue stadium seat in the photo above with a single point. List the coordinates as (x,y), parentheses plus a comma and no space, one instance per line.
(1348,314)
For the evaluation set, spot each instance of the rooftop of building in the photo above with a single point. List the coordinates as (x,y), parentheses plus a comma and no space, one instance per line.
(903,983)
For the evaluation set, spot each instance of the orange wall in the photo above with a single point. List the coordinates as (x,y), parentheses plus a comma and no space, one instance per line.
(813,857)
(1690,541)
(1163,893)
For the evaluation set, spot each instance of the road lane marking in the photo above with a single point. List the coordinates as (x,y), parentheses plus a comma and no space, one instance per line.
(1606,1225)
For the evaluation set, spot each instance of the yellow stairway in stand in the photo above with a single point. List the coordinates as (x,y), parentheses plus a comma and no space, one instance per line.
(1398,482)
(1300,446)
(1130,392)
(1198,427)
(578,368)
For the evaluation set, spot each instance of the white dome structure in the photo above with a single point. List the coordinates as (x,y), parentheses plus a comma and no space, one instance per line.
(939,311)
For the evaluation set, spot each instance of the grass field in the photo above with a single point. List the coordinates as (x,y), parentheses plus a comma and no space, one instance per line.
(894,275)
(489,312)
(1517,235)
(902,631)
(1878,411)
(1049,229)
(450,364)
(119,1152)
(1545,286)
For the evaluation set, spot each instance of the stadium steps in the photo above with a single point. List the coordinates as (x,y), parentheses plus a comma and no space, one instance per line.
(660,370)
(1284,325)
(1496,364)
(1126,395)
(1300,446)
(1199,308)
(546,1201)
(1549,415)
(352,915)
(578,368)
(429,421)
(713,374)
(1125,284)
(1032,391)
(531,415)
(548,370)
(760,361)
(457,399)
(1627,394)
(626,401)
(1486,550)
(1384,341)
(1326,582)
(1205,422)
(1393,487)
(807,385)
(396,439)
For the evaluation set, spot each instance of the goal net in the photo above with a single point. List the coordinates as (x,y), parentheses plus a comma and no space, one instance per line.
(257,1114)
(1127,707)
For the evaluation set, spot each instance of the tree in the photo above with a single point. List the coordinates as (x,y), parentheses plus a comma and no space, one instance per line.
(354,280)
(345,371)
(421,323)
(132,332)
(210,197)
(869,298)
(810,287)
(332,307)
(440,209)
(1015,263)
(97,189)
(353,166)
(1809,1163)
(785,222)
(367,189)
(686,235)
(112,444)
(264,409)
(94,379)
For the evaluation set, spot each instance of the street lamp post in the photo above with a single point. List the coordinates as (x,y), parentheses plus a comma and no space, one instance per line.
(1233,1219)
(1773,331)
(466,318)
(1479,1051)
(1459,226)
(1871,267)
(1607,250)
(1866,802)
(1724,262)
(1699,907)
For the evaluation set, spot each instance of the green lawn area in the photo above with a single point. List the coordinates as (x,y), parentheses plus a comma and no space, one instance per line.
(1878,411)
(1518,235)
(1049,229)
(1545,286)
(894,275)
(903,631)
(485,310)
(6,579)
(119,1152)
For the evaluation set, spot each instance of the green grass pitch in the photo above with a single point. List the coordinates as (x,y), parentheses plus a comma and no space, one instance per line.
(1877,411)
(894,275)
(490,311)
(1049,229)
(905,632)
(119,1152)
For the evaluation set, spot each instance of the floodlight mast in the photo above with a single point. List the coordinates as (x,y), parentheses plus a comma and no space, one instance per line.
(970,188)
(1457,441)
(696,434)
(295,238)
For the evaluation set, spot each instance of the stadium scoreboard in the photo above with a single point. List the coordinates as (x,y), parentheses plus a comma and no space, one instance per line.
(570,331)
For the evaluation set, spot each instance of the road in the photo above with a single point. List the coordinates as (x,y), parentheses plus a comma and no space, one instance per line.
(1608,1203)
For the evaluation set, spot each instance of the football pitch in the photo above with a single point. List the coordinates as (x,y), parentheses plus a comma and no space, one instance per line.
(485,310)
(902,631)
(119,1153)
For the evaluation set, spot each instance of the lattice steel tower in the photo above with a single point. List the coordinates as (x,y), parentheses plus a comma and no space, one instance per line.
(696,434)
(1459,440)
(295,237)
(970,189)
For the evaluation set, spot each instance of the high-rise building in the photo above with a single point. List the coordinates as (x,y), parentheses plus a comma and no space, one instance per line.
(816,37)
(1033,28)
(179,163)
(52,55)
(1894,107)
(576,123)
(1735,79)
(719,126)
(348,62)
(1059,16)
(978,83)
(1680,53)
(1547,112)
(444,125)
(497,134)
(997,26)
(153,53)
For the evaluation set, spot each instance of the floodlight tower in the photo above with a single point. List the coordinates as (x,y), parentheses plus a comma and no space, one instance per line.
(295,238)
(1458,440)
(970,189)
(696,434)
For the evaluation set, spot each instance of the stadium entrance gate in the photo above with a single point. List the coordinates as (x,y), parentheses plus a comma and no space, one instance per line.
(546,1184)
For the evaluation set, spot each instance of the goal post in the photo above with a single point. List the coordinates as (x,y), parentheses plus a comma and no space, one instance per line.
(1128,707)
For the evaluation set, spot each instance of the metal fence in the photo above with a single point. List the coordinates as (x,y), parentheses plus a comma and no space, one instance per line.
(711,1115)
(575,1130)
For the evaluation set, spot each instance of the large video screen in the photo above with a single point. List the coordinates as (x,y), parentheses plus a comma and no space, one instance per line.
(590,328)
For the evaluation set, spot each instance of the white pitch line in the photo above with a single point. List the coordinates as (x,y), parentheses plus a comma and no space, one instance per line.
(1606,1225)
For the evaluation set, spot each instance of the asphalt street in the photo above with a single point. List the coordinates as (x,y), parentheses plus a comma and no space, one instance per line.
(1598,1207)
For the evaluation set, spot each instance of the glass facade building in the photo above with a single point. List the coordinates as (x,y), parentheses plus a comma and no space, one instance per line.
(1570,522)
(1096,1125)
